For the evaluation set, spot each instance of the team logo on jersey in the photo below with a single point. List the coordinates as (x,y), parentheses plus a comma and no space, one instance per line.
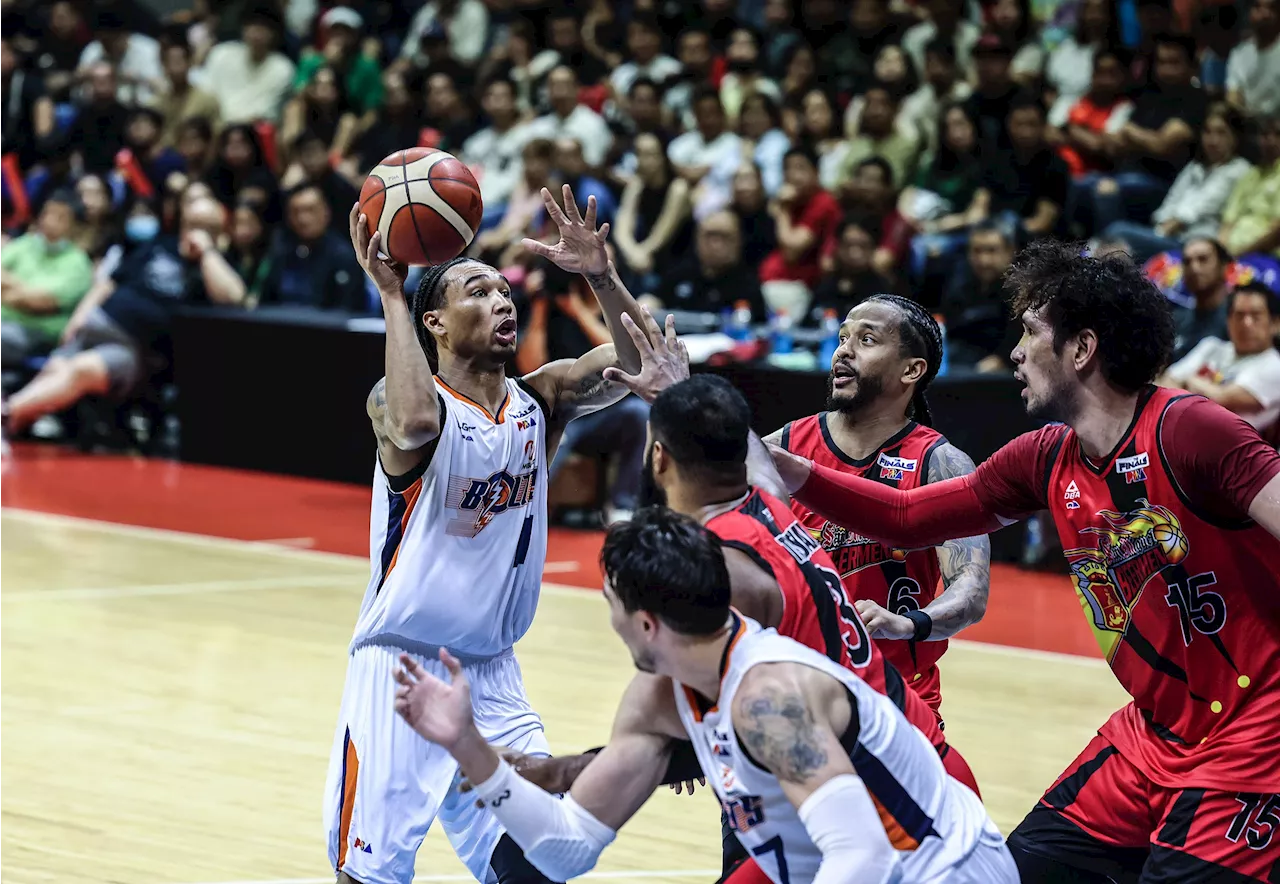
(1122,556)
(894,467)
(478,501)
(852,552)
(1134,469)
(744,813)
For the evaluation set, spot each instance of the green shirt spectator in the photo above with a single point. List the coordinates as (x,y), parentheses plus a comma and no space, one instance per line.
(1251,220)
(361,76)
(44,276)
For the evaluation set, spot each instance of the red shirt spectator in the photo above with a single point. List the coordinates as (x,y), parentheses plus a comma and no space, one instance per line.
(806,217)
(1081,137)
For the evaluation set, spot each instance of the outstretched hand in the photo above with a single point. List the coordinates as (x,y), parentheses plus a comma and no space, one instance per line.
(438,711)
(664,359)
(387,275)
(793,469)
(581,245)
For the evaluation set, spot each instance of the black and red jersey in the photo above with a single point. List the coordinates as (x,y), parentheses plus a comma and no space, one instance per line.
(897,580)
(1185,606)
(816,609)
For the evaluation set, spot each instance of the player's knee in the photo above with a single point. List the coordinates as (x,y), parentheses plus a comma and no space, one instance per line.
(89,373)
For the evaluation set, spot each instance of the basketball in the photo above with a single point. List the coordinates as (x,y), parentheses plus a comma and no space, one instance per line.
(425,203)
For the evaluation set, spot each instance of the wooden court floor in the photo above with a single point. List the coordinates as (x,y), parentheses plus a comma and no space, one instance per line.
(167,704)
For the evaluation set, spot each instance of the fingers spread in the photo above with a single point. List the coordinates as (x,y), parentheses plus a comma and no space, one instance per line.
(553,209)
(571,205)
(451,663)
(603,233)
(638,336)
(540,249)
(590,219)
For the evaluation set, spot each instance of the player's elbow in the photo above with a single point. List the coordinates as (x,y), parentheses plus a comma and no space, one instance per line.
(413,432)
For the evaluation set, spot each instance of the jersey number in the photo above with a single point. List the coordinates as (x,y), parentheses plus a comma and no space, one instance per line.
(774,846)
(852,633)
(1258,819)
(902,596)
(1198,608)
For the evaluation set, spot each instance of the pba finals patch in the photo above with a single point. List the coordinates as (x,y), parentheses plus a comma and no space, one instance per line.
(894,467)
(1134,469)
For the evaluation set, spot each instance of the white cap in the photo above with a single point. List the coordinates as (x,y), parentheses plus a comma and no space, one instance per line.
(342,15)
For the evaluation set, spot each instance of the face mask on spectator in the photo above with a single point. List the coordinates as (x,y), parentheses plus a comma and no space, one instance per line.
(54,247)
(141,228)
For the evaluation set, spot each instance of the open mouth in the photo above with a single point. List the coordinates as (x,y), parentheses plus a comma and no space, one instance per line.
(506,332)
(843,376)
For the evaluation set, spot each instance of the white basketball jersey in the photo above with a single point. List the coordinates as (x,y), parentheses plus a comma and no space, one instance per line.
(457,556)
(932,820)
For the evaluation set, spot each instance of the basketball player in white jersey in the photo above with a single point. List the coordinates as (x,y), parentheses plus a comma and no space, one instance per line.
(458,538)
(822,777)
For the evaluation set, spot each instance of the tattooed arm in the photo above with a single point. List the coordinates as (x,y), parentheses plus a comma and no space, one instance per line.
(790,718)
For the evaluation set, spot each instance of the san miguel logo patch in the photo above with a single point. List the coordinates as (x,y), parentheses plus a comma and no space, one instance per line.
(852,552)
(1134,469)
(894,467)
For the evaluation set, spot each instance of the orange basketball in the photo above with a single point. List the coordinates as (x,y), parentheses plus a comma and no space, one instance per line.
(426,204)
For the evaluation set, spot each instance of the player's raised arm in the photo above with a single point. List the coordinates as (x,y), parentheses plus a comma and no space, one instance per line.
(404,406)
(790,718)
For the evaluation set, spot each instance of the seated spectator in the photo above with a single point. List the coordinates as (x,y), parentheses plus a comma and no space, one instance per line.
(744,77)
(451,119)
(892,70)
(134,57)
(645,57)
(493,153)
(643,115)
(1028,181)
(1251,219)
(1068,69)
(250,250)
(943,21)
(240,164)
(397,125)
(194,143)
(182,101)
(311,263)
(99,229)
(1193,207)
(311,166)
(526,213)
(651,227)
(693,51)
(1253,68)
(806,217)
(564,48)
(28,111)
(44,276)
(146,163)
(113,341)
(846,56)
(922,109)
(871,195)
(359,77)
(97,133)
(248,77)
(319,107)
(814,124)
(1080,133)
(571,169)
(763,141)
(712,278)
(465,26)
(59,46)
(710,146)
(1242,373)
(879,135)
(780,38)
(973,305)
(1215,31)
(1011,21)
(569,119)
(938,198)
(1204,281)
(994,91)
(751,205)
(852,278)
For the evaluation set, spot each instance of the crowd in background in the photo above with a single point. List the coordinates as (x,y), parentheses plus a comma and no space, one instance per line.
(786,156)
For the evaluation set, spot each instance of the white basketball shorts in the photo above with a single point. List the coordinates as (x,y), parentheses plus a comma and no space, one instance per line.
(386,784)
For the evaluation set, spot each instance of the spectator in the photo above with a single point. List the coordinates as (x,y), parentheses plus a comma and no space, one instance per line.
(942,191)
(493,153)
(465,25)
(97,133)
(358,76)
(1204,279)
(1068,71)
(182,101)
(134,57)
(397,124)
(99,230)
(693,51)
(814,124)
(57,54)
(526,213)
(1011,21)
(1028,182)
(1253,68)
(1216,32)
(319,107)
(879,135)
(780,39)
(943,22)
(973,305)
(311,166)
(1080,135)
(312,264)
(45,274)
(248,77)
(1242,374)
(744,77)
(564,49)
(148,163)
(852,279)
(1251,220)
(194,143)
(763,141)
(712,279)
(710,146)
(846,57)
(643,116)
(569,119)
(892,70)
(651,228)
(573,171)
(28,112)
(995,91)
(112,343)
(646,59)
(240,165)
(751,204)
(922,109)
(515,59)
(871,195)
(250,251)
(1193,207)
(800,73)
(451,119)
(806,217)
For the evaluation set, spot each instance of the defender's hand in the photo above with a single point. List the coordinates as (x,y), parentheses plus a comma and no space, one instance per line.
(883,623)
(793,469)
(438,711)
(664,359)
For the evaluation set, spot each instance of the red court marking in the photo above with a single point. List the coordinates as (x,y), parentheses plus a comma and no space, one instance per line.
(1026,609)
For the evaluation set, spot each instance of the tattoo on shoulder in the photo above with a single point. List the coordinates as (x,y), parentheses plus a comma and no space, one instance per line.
(780,734)
(948,462)
(376,404)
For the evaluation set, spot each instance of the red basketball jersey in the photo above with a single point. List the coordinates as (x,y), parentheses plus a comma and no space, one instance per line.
(816,610)
(894,579)
(1185,606)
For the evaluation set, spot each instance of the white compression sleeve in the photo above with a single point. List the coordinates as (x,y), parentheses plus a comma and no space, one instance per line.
(559,837)
(842,821)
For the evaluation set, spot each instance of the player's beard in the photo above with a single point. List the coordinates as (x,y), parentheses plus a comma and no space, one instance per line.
(866,391)
(650,493)
(1059,402)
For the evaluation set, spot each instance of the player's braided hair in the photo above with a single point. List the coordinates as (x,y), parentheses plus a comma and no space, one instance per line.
(429,295)
(920,338)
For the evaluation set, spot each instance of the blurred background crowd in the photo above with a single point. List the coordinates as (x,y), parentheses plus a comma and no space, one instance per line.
(764,164)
